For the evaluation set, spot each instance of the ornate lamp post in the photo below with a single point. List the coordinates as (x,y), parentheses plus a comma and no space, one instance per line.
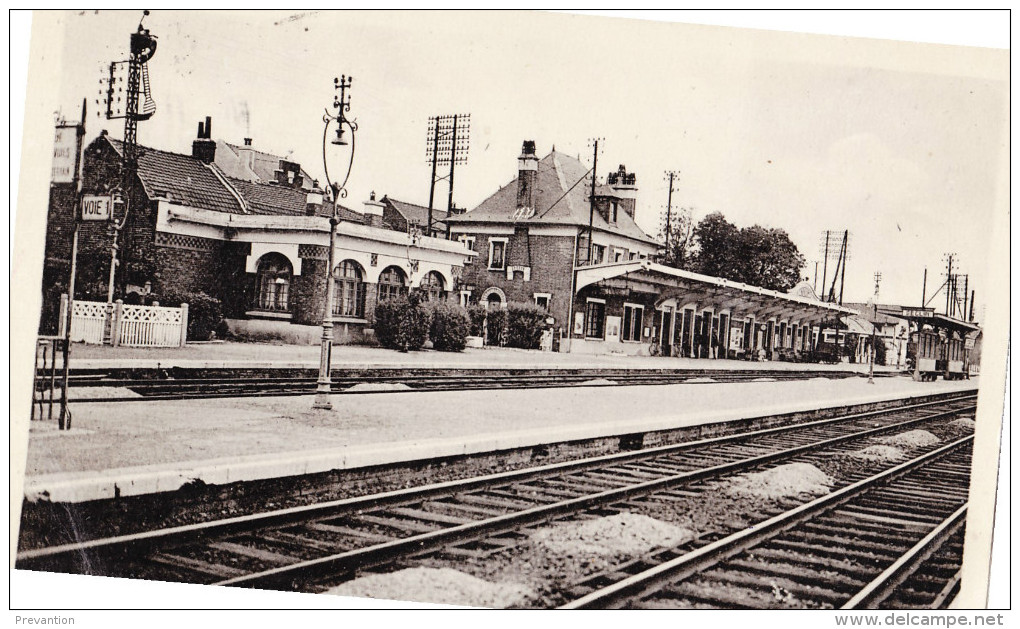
(342,104)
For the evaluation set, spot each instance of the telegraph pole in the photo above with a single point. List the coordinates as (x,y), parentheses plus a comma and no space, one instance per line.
(591,200)
(825,265)
(670,174)
(449,140)
(949,279)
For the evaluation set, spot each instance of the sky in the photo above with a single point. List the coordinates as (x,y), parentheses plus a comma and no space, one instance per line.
(900,143)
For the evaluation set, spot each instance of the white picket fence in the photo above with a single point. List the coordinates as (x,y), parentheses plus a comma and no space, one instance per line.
(88,321)
(131,326)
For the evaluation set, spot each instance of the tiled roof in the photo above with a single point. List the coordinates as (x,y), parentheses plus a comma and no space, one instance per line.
(561,198)
(182,178)
(412,212)
(189,182)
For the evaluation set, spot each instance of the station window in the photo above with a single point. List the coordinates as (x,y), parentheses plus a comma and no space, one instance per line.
(497,254)
(598,254)
(273,283)
(617,256)
(633,316)
(433,286)
(595,319)
(349,287)
(392,283)
(469,242)
(614,210)
(542,300)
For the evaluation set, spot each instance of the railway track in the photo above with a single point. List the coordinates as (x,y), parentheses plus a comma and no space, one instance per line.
(184,388)
(315,547)
(867,545)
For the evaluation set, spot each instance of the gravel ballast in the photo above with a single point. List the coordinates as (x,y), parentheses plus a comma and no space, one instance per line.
(792,479)
(878,454)
(434,585)
(620,534)
(911,439)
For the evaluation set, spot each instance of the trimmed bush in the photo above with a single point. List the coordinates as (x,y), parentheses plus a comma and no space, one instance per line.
(525,324)
(205,313)
(402,323)
(477,313)
(450,326)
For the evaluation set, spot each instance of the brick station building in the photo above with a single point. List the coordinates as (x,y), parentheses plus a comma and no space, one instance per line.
(531,233)
(227,222)
(603,292)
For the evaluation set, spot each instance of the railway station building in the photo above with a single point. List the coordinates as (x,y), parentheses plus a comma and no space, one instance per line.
(539,240)
(251,232)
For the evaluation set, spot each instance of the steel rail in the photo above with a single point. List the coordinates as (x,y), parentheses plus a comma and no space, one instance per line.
(217,528)
(373,555)
(712,554)
(184,533)
(193,388)
(885,584)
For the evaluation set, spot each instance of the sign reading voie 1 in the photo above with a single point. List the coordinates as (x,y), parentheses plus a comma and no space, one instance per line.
(95,208)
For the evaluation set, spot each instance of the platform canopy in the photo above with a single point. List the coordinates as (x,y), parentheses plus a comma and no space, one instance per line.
(928,316)
(715,293)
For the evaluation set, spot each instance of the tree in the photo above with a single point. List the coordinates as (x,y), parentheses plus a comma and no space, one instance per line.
(717,245)
(754,255)
(769,258)
(679,252)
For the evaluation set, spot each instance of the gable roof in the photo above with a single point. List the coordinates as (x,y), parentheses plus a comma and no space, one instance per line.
(561,197)
(417,213)
(181,178)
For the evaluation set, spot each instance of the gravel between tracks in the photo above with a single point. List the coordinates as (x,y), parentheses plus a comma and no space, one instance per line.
(792,479)
(911,439)
(435,585)
(620,534)
(879,453)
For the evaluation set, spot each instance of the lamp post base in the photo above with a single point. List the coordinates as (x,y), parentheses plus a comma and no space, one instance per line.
(322,401)
(322,389)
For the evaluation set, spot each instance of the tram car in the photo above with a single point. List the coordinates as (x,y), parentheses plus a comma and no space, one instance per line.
(939,354)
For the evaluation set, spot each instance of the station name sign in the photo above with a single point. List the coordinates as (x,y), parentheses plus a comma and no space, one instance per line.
(95,208)
(917,313)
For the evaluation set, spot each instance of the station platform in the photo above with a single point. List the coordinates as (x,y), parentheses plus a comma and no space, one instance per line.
(123,449)
(229,355)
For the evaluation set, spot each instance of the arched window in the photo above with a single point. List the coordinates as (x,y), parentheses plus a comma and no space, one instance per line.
(272,286)
(433,286)
(348,290)
(392,283)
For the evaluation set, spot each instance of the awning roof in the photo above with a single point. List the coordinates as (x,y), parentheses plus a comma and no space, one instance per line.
(929,316)
(714,292)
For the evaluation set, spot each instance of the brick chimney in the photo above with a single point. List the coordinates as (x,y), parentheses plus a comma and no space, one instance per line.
(289,174)
(624,187)
(204,147)
(313,201)
(373,211)
(527,178)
